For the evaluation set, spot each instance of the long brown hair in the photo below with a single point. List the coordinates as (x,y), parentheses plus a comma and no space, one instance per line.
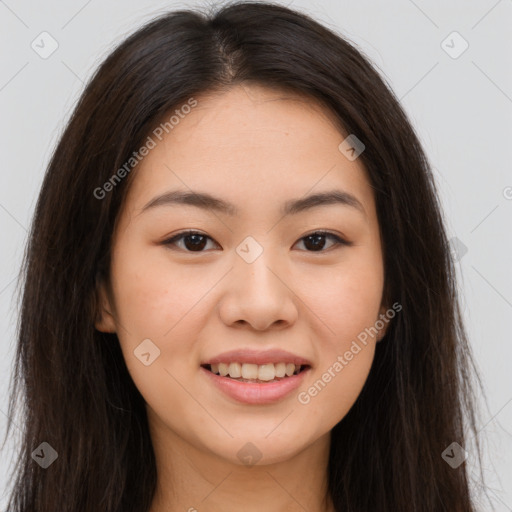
(76,392)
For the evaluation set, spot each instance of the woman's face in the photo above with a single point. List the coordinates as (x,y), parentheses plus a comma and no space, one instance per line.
(252,282)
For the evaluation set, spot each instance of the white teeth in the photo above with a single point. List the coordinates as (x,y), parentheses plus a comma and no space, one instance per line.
(249,371)
(290,368)
(280,370)
(235,370)
(265,372)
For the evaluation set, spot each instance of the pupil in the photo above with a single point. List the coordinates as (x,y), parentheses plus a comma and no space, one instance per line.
(197,244)
(316,239)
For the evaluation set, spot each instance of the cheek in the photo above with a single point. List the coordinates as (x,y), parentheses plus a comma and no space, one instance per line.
(347,301)
(346,298)
(345,347)
(156,303)
(152,297)
(157,300)
(330,394)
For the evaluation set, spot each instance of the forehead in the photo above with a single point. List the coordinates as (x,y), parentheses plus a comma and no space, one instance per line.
(252,146)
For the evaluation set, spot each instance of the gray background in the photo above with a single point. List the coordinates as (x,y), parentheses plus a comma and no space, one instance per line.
(461,108)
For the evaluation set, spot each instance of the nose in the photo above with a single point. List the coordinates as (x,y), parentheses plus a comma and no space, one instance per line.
(258,295)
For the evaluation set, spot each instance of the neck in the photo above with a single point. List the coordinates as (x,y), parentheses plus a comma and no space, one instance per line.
(197,480)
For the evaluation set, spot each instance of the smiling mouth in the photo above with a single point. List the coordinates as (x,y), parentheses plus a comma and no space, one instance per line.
(262,373)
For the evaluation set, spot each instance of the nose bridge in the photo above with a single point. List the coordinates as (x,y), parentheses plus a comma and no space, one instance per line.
(257,293)
(253,265)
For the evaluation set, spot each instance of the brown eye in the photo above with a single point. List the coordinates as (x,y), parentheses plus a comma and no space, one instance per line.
(315,242)
(193,241)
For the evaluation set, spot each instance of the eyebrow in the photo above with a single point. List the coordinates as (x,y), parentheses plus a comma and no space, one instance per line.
(207,201)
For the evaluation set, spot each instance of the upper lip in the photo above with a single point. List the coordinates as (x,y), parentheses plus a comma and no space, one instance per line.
(258,357)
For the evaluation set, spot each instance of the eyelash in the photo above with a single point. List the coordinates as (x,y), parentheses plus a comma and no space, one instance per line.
(339,241)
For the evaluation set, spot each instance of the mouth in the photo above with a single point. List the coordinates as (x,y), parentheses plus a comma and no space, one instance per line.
(256,373)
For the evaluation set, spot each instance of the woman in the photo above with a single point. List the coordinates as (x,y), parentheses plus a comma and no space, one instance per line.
(238,288)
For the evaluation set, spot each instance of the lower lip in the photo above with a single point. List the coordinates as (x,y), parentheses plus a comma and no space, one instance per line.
(254,392)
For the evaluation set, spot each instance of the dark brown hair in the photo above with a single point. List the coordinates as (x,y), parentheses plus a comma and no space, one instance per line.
(76,392)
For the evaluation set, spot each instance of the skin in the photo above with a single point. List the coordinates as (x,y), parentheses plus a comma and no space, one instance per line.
(256,148)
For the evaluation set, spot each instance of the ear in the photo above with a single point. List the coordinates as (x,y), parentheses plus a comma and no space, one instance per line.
(105,321)
(383,320)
